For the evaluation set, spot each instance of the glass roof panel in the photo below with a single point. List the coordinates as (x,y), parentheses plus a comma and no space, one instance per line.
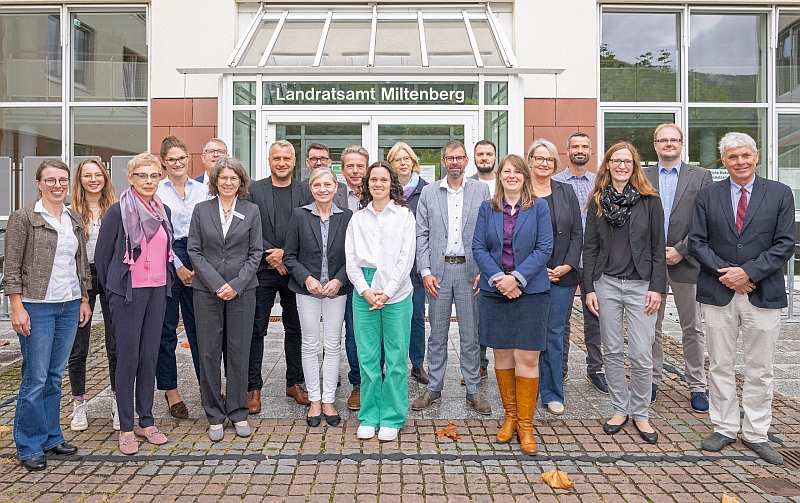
(487,46)
(259,44)
(297,43)
(347,44)
(397,43)
(447,43)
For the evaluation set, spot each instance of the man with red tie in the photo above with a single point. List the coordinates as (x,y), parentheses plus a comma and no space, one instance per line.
(742,234)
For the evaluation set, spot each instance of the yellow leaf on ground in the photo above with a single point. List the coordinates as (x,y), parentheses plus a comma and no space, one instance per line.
(4,429)
(728,499)
(449,431)
(5,343)
(673,377)
(557,479)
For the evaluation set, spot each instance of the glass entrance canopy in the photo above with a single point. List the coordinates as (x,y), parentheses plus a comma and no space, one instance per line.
(372,36)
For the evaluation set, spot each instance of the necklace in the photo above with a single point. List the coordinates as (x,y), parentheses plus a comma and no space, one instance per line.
(227,213)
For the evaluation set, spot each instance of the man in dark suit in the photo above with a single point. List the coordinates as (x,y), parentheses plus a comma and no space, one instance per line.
(213,151)
(677,184)
(742,234)
(276,196)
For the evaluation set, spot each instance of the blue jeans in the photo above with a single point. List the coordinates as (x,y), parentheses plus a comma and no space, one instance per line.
(44,357)
(416,349)
(551,377)
(167,368)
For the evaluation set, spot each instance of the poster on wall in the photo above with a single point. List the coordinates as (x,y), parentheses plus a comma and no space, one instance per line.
(428,172)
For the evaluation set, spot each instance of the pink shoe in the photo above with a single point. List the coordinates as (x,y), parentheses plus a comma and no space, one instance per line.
(152,435)
(128,444)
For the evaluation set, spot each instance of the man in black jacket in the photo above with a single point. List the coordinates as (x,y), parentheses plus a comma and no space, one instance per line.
(276,196)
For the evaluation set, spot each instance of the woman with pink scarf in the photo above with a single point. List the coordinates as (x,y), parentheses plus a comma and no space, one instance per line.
(133,258)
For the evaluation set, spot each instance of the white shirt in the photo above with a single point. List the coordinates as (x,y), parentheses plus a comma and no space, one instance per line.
(64,284)
(492,185)
(91,243)
(181,207)
(455,207)
(385,241)
(226,224)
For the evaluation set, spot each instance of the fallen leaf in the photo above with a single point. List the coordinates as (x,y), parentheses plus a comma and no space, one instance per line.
(5,343)
(185,344)
(4,429)
(449,431)
(673,377)
(9,460)
(728,499)
(557,479)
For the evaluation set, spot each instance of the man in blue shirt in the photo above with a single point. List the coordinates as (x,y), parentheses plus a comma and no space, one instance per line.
(677,184)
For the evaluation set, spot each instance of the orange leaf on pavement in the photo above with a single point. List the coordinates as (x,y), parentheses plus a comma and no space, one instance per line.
(449,431)
(728,499)
(185,344)
(557,479)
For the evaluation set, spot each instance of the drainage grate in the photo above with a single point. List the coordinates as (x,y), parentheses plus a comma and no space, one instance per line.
(791,457)
(777,487)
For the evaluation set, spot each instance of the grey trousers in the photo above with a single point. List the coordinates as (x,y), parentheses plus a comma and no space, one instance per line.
(456,286)
(211,314)
(693,339)
(615,298)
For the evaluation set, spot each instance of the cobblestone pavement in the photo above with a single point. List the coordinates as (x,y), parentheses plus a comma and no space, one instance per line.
(284,460)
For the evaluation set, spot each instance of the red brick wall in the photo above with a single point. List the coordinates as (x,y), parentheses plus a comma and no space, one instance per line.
(193,120)
(556,119)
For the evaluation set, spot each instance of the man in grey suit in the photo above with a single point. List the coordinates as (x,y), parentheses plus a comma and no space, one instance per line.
(677,184)
(446,215)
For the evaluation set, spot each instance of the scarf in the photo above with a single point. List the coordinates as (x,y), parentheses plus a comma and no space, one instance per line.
(141,220)
(617,207)
(408,188)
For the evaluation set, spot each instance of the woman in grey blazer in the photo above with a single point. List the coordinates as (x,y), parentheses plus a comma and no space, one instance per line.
(314,253)
(225,247)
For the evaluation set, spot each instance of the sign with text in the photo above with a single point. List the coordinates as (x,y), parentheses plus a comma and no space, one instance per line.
(370,93)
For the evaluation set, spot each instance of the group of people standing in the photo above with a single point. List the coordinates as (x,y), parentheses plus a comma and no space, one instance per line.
(508,247)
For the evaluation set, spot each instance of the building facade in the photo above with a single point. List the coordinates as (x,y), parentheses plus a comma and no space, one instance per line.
(110,80)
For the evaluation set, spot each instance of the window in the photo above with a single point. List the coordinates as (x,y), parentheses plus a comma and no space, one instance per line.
(134,76)
(83,42)
(788,58)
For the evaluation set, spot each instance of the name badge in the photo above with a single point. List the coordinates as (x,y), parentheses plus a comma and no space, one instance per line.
(238,215)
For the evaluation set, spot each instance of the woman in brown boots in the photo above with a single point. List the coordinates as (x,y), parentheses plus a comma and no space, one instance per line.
(512,243)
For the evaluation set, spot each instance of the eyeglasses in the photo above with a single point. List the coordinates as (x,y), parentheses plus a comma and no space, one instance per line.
(666,141)
(542,160)
(51,182)
(182,159)
(455,158)
(227,179)
(744,157)
(616,162)
(155,177)
(215,152)
(92,176)
(401,160)
(319,160)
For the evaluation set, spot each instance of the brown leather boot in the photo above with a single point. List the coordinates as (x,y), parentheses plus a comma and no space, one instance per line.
(253,401)
(506,382)
(527,389)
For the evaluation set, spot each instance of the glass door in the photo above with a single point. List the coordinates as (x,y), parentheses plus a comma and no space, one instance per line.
(425,135)
(636,127)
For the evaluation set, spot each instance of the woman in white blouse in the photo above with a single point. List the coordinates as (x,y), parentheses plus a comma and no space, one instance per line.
(379,251)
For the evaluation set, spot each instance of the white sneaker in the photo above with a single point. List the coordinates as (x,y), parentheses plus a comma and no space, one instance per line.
(115,414)
(365,432)
(79,420)
(555,408)
(386,434)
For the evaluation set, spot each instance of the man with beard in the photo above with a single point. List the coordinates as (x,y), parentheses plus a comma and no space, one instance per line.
(485,161)
(677,184)
(579,148)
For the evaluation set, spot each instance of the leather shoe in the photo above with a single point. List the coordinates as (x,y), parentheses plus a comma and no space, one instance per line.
(313,421)
(253,401)
(299,394)
(36,464)
(419,375)
(649,437)
(333,420)
(611,429)
(63,449)
(354,402)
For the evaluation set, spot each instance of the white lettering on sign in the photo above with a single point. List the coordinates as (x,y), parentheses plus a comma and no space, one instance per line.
(388,94)
(401,93)
(331,94)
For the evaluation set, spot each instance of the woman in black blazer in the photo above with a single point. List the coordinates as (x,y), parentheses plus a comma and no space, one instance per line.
(562,268)
(225,247)
(625,215)
(314,253)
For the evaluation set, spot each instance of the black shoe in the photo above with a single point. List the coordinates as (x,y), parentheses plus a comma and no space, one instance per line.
(333,420)
(314,421)
(653,393)
(599,382)
(612,429)
(36,464)
(419,375)
(650,438)
(63,449)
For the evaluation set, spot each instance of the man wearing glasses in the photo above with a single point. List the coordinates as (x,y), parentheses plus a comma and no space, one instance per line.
(677,184)
(214,150)
(317,155)
(446,215)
